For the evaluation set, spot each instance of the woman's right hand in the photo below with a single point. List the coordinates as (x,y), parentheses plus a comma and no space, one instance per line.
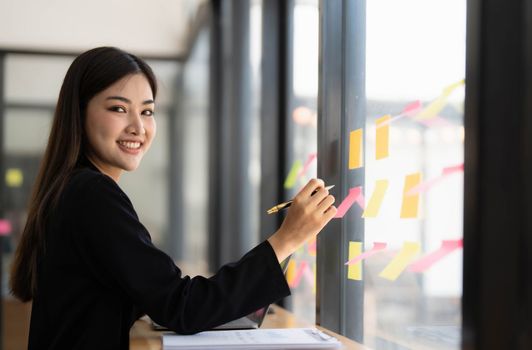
(307,215)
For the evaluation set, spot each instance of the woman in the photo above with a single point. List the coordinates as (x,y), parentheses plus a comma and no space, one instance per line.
(86,261)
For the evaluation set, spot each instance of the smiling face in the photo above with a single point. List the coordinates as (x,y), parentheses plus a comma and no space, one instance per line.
(119,125)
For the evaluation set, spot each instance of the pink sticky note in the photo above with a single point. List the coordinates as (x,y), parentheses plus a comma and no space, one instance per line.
(453,169)
(309,276)
(311,157)
(348,201)
(425,186)
(426,262)
(409,111)
(5,227)
(434,122)
(361,201)
(312,247)
(377,246)
(391,120)
(412,108)
(299,274)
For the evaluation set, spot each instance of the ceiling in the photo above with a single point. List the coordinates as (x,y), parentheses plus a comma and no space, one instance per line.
(160,28)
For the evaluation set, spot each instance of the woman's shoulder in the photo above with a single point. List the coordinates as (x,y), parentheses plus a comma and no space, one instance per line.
(86,182)
(87,177)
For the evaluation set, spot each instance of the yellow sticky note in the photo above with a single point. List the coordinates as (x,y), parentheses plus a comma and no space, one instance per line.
(291,271)
(354,272)
(292,175)
(410,206)
(400,261)
(382,137)
(374,204)
(437,105)
(355,149)
(14,177)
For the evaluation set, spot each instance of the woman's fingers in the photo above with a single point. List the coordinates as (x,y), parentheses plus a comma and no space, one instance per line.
(326,203)
(318,197)
(314,197)
(310,187)
(330,213)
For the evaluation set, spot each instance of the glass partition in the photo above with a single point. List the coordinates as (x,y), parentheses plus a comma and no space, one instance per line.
(413,160)
(302,266)
(193,112)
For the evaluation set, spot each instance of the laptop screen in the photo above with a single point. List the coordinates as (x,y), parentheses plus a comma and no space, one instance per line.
(259,315)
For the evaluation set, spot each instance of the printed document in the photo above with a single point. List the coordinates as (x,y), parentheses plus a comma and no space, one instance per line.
(284,338)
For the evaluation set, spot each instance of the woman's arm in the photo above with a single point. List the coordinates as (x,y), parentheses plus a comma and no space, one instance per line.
(117,250)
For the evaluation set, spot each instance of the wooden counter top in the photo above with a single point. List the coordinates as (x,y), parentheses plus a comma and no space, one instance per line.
(142,337)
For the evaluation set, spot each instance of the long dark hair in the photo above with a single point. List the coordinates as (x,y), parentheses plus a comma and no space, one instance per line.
(90,73)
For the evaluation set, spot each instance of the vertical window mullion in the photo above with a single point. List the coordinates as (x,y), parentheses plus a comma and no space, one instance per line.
(176,164)
(497,172)
(271,169)
(341,109)
(276,106)
(330,160)
(2,186)
(230,185)
(354,66)
(216,102)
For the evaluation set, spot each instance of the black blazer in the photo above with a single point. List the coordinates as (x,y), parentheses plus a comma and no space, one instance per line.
(101,272)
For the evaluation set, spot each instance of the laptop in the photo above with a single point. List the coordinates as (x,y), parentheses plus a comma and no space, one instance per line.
(252,321)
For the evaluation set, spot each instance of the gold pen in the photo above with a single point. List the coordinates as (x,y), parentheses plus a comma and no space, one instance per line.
(278,207)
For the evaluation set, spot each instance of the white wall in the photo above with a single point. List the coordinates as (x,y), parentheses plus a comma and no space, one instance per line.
(154,27)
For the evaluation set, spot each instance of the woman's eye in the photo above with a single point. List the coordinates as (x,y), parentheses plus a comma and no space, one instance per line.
(117,109)
(148,112)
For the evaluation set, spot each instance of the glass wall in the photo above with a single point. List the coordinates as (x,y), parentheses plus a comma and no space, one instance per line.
(413,160)
(302,266)
(255,52)
(194,111)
